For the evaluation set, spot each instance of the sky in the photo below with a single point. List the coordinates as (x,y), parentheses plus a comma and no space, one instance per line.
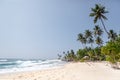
(41,29)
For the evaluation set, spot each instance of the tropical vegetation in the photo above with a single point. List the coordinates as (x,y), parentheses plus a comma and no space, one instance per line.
(94,47)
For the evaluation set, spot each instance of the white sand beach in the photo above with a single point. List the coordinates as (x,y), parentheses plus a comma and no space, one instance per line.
(71,71)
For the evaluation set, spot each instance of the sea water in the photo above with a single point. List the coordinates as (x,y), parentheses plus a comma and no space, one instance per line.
(18,65)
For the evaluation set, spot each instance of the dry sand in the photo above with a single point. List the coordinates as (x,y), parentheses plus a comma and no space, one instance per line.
(71,71)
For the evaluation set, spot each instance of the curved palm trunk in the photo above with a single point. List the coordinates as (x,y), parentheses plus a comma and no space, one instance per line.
(104,26)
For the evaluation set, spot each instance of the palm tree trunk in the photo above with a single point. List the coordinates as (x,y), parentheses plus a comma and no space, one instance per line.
(104,26)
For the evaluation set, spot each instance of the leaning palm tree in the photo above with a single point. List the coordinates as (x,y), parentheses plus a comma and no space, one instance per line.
(98,14)
(112,35)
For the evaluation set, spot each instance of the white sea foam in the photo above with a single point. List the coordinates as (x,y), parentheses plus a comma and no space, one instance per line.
(28,65)
(19,61)
(3,60)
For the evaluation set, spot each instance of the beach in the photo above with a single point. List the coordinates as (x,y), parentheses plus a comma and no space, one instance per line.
(70,71)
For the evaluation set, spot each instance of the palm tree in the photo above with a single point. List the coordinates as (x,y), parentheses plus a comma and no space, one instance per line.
(84,40)
(99,41)
(97,31)
(81,38)
(88,34)
(91,41)
(59,56)
(98,14)
(112,35)
(89,37)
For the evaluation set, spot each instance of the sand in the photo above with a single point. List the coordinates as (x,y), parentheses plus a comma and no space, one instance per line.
(70,71)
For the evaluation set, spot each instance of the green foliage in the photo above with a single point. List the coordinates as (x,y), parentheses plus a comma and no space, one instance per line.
(112,51)
(81,53)
(112,35)
(97,34)
(70,56)
(98,55)
(99,41)
(108,58)
(97,31)
(86,54)
(91,55)
(81,38)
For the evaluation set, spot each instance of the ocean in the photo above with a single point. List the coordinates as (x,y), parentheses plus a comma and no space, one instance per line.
(18,65)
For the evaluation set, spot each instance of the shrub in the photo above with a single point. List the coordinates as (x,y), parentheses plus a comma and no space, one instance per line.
(112,52)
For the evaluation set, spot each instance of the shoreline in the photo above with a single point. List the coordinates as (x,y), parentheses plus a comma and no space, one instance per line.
(20,65)
(69,71)
(29,71)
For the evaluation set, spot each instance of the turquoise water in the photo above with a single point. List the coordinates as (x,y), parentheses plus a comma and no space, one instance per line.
(15,65)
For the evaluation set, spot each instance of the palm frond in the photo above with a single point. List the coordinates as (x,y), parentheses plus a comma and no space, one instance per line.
(97,6)
(104,17)
(95,19)
(106,12)
(93,9)
(92,14)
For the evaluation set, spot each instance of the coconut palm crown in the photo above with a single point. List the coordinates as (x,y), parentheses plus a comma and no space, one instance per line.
(98,14)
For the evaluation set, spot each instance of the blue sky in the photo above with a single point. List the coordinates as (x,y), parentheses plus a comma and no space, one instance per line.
(44,28)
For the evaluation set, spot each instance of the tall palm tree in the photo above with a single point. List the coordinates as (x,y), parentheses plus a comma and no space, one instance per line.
(98,14)
(112,35)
